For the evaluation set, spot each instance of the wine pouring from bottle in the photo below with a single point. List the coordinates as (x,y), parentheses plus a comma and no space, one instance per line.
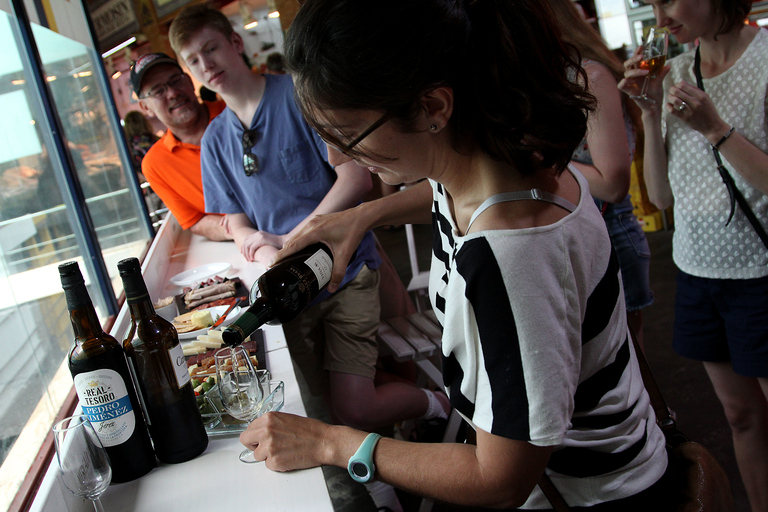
(284,291)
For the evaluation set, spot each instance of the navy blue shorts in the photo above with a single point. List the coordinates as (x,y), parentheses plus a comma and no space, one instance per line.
(723,320)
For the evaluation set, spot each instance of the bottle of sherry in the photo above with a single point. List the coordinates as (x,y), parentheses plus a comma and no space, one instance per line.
(157,358)
(284,291)
(104,385)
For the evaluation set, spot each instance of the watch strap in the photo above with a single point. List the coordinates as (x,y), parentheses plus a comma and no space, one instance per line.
(360,465)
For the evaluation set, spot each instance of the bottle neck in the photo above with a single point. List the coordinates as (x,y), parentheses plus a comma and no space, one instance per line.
(85,322)
(141,309)
(254,317)
(137,296)
(82,314)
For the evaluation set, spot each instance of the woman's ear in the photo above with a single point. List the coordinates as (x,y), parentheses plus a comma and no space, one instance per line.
(438,107)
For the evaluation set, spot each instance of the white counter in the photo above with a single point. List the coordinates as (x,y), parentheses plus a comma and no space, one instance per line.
(215,480)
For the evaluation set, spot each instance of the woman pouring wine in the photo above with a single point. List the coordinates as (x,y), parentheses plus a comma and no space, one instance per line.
(480,97)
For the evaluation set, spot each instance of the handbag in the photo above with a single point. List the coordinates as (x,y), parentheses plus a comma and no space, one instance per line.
(699,482)
(733,192)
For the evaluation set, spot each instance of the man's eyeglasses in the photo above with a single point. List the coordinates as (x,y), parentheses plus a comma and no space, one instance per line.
(250,161)
(347,147)
(159,90)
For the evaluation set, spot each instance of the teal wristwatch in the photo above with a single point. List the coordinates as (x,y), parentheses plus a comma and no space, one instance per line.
(360,465)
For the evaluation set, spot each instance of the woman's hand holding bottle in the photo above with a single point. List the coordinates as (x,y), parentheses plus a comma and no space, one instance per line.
(341,231)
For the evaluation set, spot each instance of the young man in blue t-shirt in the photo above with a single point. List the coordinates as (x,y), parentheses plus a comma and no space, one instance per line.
(268,171)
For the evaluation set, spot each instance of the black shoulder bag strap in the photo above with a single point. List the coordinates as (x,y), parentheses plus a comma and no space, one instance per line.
(733,191)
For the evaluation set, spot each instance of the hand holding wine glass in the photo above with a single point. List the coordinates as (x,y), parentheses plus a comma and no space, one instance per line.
(243,389)
(654,57)
(84,464)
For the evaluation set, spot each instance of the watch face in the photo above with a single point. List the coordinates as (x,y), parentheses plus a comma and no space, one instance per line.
(360,469)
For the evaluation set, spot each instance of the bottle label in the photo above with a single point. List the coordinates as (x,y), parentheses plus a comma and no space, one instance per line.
(321,264)
(104,399)
(179,365)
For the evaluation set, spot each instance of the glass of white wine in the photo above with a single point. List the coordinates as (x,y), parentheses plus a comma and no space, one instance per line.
(83,462)
(654,57)
(240,387)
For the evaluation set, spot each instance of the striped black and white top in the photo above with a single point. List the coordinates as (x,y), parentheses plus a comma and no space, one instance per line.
(536,348)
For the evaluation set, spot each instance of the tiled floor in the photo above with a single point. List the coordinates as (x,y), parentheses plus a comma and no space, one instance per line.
(683,383)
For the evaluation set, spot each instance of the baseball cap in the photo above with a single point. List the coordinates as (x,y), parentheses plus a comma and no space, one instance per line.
(141,65)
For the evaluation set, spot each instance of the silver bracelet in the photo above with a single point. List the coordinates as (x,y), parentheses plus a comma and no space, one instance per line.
(724,138)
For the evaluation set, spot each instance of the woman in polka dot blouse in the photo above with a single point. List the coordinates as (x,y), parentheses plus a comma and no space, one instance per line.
(721,308)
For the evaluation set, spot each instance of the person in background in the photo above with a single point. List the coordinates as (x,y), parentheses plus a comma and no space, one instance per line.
(605,155)
(275,64)
(266,168)
(172,165)
(721,304)
(536,353)
(140,137)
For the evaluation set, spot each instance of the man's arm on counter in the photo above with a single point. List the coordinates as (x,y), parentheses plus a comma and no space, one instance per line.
(213,226)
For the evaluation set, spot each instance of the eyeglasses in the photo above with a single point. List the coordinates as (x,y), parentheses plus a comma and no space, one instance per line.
(159,90)
(347,147)
(250,161)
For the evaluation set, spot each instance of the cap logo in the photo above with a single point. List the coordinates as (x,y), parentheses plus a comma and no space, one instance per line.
(144,60)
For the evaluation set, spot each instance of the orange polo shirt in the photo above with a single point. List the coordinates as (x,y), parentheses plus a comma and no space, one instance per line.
(172,168)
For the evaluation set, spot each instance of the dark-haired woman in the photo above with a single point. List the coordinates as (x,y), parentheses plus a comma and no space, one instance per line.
(721,307)
(535,348)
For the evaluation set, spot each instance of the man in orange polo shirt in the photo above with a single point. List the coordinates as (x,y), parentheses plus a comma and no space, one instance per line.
(172,164)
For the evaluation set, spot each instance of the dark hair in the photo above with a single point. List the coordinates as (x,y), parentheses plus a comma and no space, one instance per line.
(732,13)
(275,62)
(136,124)
(518,89)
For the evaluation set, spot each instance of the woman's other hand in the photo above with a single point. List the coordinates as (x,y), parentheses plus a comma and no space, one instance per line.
(695,108)
(339,231)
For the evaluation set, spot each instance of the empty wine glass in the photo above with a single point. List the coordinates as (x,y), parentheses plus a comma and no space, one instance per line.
(83,462)
(654,57)
(240,387)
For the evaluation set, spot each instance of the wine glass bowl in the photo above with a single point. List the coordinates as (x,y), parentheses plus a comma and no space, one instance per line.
(83,462)
(245,392)
(654,57)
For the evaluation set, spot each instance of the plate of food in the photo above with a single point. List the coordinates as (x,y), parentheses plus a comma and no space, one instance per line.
(195,275)
(196,323)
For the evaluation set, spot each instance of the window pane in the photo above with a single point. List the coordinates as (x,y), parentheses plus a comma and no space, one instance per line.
(36,230)
(82,109)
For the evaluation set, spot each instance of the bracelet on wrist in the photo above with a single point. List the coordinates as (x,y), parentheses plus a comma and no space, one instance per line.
(724,137)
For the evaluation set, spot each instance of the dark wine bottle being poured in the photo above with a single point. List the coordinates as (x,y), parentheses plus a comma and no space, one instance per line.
(284,291)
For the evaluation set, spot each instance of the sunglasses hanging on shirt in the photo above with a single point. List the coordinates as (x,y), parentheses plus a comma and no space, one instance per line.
(734,193)
(250,161)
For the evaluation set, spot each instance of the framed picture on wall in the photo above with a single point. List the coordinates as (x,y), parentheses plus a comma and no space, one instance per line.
(163,7)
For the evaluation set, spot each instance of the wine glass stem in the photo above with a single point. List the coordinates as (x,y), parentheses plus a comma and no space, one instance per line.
(645,87)
(97,505)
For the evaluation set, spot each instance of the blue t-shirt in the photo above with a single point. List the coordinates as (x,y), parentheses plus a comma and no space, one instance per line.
(293,177)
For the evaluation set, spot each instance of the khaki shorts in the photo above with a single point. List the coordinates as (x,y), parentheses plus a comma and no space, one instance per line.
(339,333)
